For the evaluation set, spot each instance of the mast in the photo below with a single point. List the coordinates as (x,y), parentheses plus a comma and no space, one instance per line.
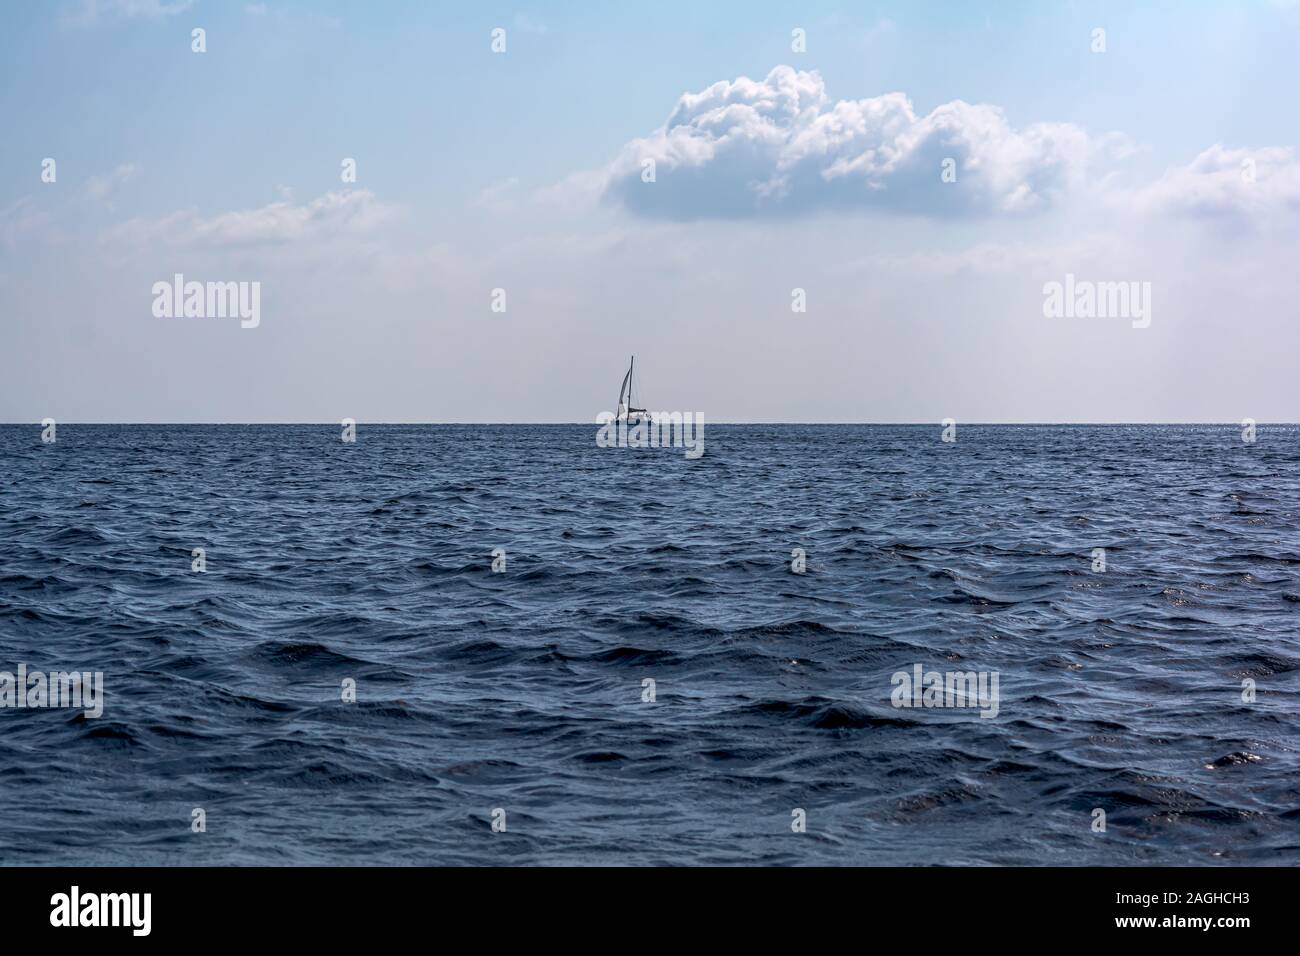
(626,386)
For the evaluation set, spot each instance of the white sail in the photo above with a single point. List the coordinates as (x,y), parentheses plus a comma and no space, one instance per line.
(627,409)
(624,390)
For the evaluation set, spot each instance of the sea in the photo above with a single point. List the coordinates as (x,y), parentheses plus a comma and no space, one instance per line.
(506,645)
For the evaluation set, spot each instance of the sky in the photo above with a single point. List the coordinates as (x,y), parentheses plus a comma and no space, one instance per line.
(670,180)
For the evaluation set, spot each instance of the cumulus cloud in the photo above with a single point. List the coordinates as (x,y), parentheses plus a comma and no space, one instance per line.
(781,146)
(335,213)
(1234,186)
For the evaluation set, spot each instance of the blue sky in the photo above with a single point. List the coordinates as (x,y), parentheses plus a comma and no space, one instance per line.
(518,170)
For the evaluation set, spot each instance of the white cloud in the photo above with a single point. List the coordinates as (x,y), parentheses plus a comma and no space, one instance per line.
(335,213)
(1234,186)
(90,12)
(500,196)
(22,220)
(106,184)
(781,146)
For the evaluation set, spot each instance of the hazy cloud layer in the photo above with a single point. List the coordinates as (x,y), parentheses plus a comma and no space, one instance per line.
(353,212)
(20,221)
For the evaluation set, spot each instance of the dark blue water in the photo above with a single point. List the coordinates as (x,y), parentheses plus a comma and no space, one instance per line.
(522,690)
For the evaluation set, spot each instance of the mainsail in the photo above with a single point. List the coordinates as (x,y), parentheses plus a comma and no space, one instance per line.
(625,395)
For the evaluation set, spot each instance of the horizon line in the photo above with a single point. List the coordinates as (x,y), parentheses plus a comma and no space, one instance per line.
(895,424)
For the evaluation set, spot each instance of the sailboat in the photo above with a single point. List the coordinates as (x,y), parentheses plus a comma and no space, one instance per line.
(627,411)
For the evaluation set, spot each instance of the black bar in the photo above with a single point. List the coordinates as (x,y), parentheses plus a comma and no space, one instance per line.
(945,905)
